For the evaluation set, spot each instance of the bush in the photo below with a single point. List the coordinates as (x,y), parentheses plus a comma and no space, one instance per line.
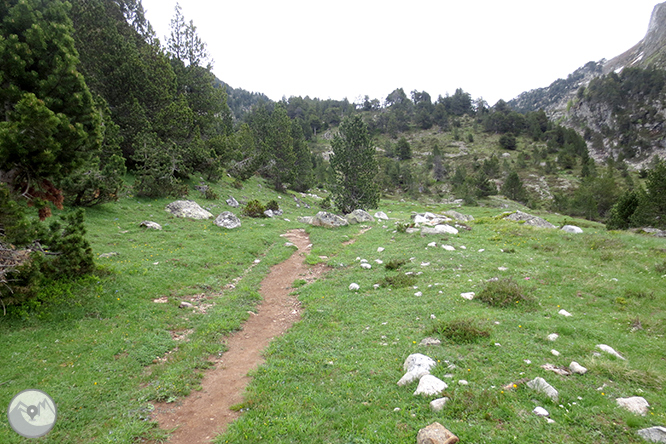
(402,227)
(326,204)
(394,264)
(210,194)
(273,205)
(254,209)
(459,331)
(503,293)
(399,281)
(237,184)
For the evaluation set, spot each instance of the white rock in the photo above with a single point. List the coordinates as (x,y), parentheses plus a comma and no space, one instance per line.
(430,385)
(430,341)
(425,264)
(563,312)
(635,404)
(440,229)
(379,261)
(572,229)
(553,337)
(432,244)
(418,294)
(469,296)
(151,225)
(653,434)
(502,268)
(608,349)
(380,249)
(188,209)
(420,219)
(227,220)
(363,261)
(376,286)
(540,385)
(577,368)
(555,352)
(448,248)
(463,382)
(354,287)
(482,250)
(437,405)
(366,266)
(413,375)
(418,360)
(540,411)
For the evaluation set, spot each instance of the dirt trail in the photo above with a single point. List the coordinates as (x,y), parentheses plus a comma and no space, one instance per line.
(205,414)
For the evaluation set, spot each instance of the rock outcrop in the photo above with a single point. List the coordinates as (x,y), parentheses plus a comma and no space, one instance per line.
(227,220)
(189,209)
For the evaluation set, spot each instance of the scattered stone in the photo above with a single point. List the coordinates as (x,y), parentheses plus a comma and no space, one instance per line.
(227,220)
(151,225)
(430,341)
(436,433)
(502,268)
(305,219)
(381,215)
(232,202)
(162,300)
(459,216)
(439,229)
(379,261)
(366,266)
(430,385)
(437,405)
(469,296)
(562,371)
(555,352)
(432,244)
(463,382)
(572,229)
(108,255)
(608,349)
(380,249)
(577,368)
(328,220)
(565,313)
(425,264)
(354,287)
(269,213)
(553,337)
(189,209)
(448,248)
(184,304)
(540,385)
(540,411)
(418,294)
(414,375)
(418,360)
(528,219)
(358,217)
(653,434)
(635,404)
(412,230)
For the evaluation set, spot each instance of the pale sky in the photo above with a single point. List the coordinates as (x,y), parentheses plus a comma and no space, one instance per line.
(350,48)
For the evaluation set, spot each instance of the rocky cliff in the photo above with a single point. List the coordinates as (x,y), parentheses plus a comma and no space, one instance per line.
(619,105)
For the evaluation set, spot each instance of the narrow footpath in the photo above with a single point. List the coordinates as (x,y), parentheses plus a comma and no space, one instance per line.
(204,414)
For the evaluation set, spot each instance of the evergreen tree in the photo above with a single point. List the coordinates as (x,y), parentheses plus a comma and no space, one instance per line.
(48,123)
(403,149)
(355,167)
(513,188)
(303,175)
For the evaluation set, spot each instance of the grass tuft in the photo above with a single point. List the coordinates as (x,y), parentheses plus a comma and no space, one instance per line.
(504,293)
(460,331)
(394,264)
(399,281)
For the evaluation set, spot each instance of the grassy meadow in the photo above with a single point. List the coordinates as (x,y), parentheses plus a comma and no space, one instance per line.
(105,351)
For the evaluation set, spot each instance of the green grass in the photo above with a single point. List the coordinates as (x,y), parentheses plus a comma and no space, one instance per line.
(106,351)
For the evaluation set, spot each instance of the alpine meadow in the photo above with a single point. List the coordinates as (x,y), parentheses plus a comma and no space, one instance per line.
(186,261)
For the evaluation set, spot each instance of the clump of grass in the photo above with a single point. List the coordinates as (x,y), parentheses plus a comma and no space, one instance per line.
(660,268)
(460,331)
(298,283)
(402,227)
(504,293)
(638,294)
(394,264)
(399,281)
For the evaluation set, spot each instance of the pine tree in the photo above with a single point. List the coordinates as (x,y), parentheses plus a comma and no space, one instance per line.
(355,167)
(513,188)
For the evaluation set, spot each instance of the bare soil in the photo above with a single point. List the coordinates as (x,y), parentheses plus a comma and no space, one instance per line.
(204,414)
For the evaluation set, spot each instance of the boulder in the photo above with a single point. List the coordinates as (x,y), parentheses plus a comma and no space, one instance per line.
(227,220)
(436,433)
(439,229)
(430,385)
(305,219)
(528,219)
(151,225)
(232,202)
(354,286)
(381,215)
(610,350)
(459,216)
(438,404)
(416,360)
(189,209)
(269,213)
(358,217)
(635,404)
(577,368)
(328,220)
(572,229)
(413,375)
(653,434)
(540,385)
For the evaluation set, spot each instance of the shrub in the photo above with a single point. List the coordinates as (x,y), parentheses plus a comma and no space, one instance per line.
(459,331)
(399,281)
(254,209)
(272,205)
(503,293)
(326,204)
(210,194)
(394,264)
(237,184)
(402,227)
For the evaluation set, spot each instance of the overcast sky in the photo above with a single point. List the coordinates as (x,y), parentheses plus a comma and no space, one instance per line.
(351,48)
